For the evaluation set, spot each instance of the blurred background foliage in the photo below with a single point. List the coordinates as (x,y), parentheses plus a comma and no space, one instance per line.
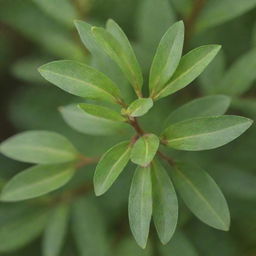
(33,32)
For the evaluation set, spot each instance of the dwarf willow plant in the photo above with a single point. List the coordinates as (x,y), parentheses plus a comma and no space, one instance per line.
(196,126)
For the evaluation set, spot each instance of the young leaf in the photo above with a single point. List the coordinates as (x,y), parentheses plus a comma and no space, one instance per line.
(40,147)
(190,67)
(202,195)
(89,229)
(110,166)
(167,57)
(36,181)
(55,231)
(101,112)
(21,226)
(165,203)
(90,124)
(81,80)
(114,42)
(139,107)
(238,79)
(140,205)
(144,149)
(205,132)
(205,106)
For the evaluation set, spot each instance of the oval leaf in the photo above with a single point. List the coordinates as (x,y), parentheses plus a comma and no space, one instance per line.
(205,106)
(81,80)
(110,166)
(190,67)
(167,57)
(39,147)
(165,212)
(55,231)
(140,205)
(144,149)
(116,45)
(139,107)
(86,123)
(36,181)
(205,132)
(202,195)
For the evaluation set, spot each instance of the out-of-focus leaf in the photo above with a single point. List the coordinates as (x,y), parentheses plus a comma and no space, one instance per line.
(55,232)
(89,229)
(165,211)
(90,124)
(190,67)
(205,132)
(246,105)
(202,195)
(144,149)
(205,106)
(216,12)
(240,76)
(139,107)
(21,15)
(40,147)
(140,205)
(19,227)
(167,57)
(36,181)
(110,166)
(61,10)
(182,6)
(211,78)
(81,80)
(102,112)
(179,245)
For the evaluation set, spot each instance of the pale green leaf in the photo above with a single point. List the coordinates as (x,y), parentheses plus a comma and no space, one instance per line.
(40,147)
(110,166)
(190,67)
(55,232)
(205,106)
(144,149)
(36,181)
(81,80)
(165,211)
(101,112)
(139,107)
(202,195)
(115,44)
(167,57)
(205,132)
(140,205)
(89,229)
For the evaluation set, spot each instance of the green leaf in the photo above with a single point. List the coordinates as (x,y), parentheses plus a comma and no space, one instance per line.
(205,132)
(116,45)
(40,147)
(36,181)
(167,57)
(139,107)
(55,232)
(144,149)
(110,166)
(140,205)
(101,112)
(204,106)
(81,80)
(190,67)
(165,210)
(217,12)
(202,195)
(89,229)
(86,123)
(21,226)
(238,79)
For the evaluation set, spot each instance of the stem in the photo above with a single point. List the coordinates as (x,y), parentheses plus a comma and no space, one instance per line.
(134,123)
(168,159)
(86,161)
